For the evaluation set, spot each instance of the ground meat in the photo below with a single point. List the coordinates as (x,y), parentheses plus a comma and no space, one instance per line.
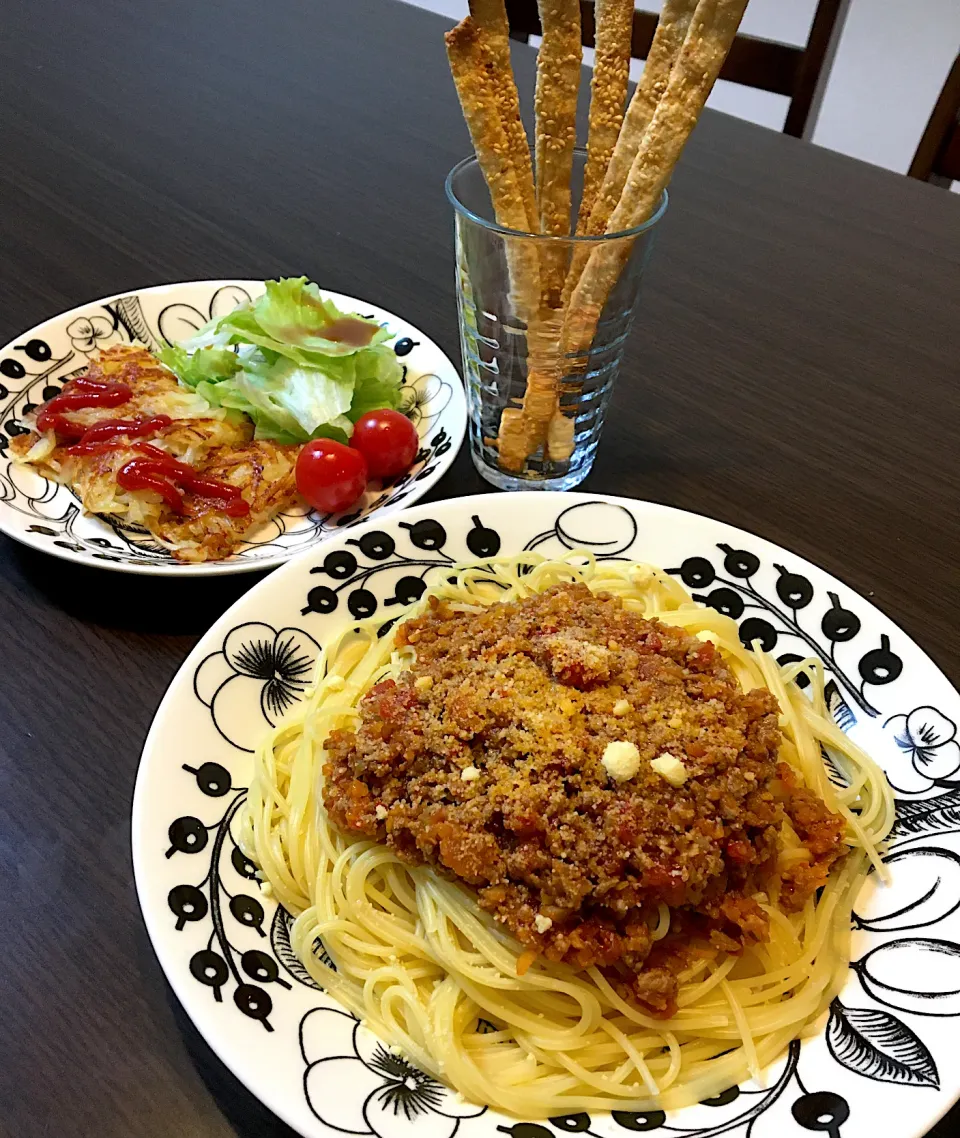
(524,697)
(819,830)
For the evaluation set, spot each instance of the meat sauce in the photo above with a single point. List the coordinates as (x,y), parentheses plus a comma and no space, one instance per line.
(524,698)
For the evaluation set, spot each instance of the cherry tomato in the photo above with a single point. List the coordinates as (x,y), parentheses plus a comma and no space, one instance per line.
(387,440)
(331,476)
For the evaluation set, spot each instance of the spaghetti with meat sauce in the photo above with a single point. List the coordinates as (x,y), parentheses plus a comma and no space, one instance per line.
(485,759)
(555,834)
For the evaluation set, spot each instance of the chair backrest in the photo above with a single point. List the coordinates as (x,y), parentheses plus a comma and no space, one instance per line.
(938,156)
(783,69)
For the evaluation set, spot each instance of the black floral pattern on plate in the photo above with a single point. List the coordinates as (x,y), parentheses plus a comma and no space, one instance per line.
(880,1046)
(356,1085)
(377,553)
(229,898)
(769,621)
(222,963)
(257,667)
(928,738)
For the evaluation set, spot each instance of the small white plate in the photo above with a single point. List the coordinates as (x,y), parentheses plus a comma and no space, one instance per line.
(883,1062)
(47,516)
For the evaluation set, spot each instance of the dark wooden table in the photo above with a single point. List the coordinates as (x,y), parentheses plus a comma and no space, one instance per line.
(795,371)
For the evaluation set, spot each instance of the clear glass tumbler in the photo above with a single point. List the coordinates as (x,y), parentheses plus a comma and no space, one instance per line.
(543,324)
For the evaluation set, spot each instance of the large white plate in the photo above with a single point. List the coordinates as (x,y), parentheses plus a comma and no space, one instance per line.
(882,1064)
(34,366)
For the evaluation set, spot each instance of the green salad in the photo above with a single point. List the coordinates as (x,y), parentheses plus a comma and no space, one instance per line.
(292,361)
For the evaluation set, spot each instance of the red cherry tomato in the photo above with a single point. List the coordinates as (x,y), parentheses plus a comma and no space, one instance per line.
(331,476)
(387,440)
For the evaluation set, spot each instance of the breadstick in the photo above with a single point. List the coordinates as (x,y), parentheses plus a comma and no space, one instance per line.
(512,444)
(490,16)
(675,19)
(711,32)
(671,29)
(558,77)
(522,432)
(608,94)
(561,440)
(471,66)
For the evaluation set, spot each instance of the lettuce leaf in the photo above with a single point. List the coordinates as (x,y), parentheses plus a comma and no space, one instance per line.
(289,319)
(264,403)
(271,360)
(209,336)
(377,382)
(296,397)
(294,313)
(209,364)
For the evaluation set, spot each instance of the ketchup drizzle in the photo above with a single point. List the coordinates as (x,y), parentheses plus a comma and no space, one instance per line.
(78,394)
(155,470)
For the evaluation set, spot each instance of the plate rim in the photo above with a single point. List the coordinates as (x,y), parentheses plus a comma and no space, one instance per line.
(251,1079)
(232,565)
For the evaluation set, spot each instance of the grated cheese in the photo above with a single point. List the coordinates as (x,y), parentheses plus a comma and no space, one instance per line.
(621,760)
(671,768)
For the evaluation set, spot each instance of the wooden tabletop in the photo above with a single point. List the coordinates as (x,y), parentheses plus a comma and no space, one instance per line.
(795,370)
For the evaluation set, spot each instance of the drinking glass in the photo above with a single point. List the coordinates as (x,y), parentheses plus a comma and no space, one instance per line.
(539,359)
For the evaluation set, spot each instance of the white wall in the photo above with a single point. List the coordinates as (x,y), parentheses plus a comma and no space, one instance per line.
(891,62)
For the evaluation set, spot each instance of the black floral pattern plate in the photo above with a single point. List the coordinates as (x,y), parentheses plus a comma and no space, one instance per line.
(34,367)
(881,1062)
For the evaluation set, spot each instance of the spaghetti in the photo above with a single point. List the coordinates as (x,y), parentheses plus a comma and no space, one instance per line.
(431,972)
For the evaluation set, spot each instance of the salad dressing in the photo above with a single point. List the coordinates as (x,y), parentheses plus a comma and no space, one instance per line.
(349,330)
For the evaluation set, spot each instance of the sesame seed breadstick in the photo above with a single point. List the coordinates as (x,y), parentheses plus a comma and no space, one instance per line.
(672,27)
(512,444)
(608,94)
(490,16)
(471,65)
(709,36)
(524,430)
(670,36)
(558,78)
(561,437)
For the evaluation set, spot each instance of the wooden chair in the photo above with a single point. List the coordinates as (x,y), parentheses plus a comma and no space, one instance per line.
(799,72)
(937,158)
